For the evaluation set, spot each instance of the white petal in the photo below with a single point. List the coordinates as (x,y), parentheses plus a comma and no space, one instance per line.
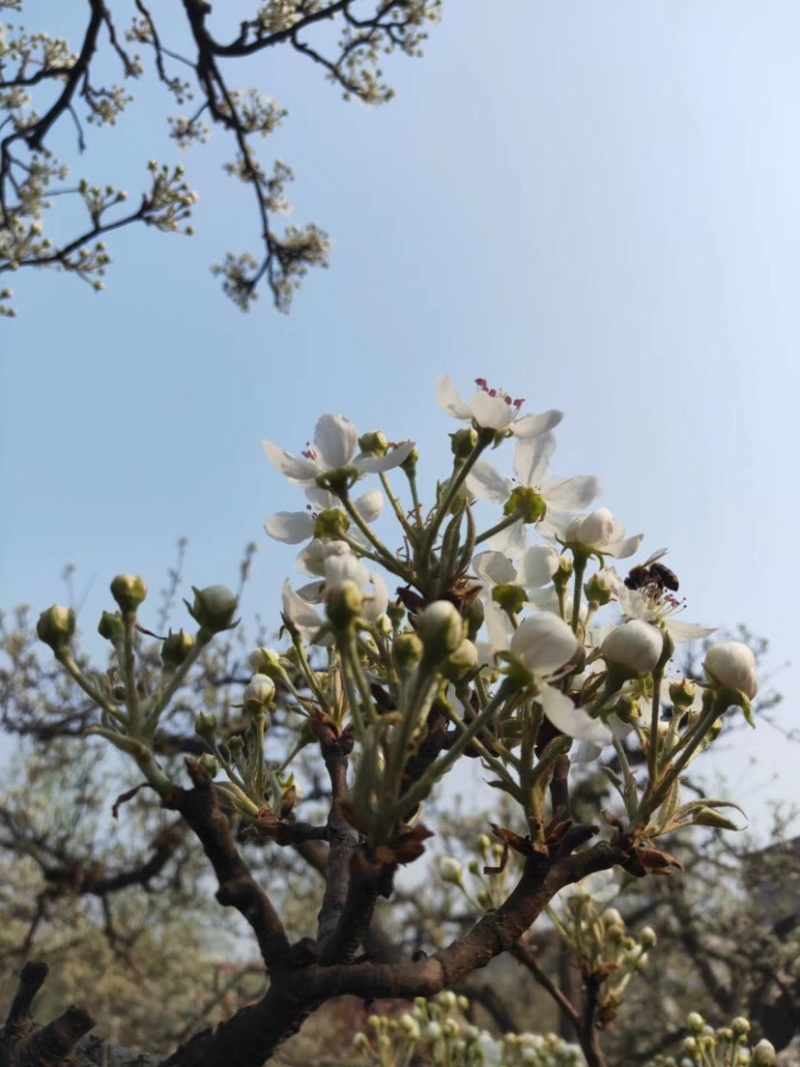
(370,505)
(532,458)
(297,610)
(296,469)
(488,484)
(572,494)
(532,425)
(572,721)
(450,401)
(538,565)
(336,440)
(544,642)
(494,567)
(322,499)
(344,568)
(511,540)
(624,549)
(312,592)
(688,631)
(498,625)
(375,606)
(492,412)
(585,752)
(393,458)
(291,527)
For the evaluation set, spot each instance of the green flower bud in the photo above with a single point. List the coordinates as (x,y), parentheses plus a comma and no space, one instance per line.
(682,693)
(627,709)
(205,725)
(696,1022)
(463,442)
(647,937)
(209,764)
(474,615)
(598,589)
(236,746)
(56,627)
(111,627)
(526,503)
(441,629)
(129,591)
(266,661)
(373,444)
(176,647)
(407,651)
(213,608)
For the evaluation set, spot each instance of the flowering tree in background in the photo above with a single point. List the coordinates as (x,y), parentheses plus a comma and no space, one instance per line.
(48,90)
(511,641)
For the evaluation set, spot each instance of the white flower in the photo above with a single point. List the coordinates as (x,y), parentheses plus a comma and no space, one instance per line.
(636,646)
(732,664)
(601,533)
(294,527)
(334,448)
(537,566)
(543,643)
(652,604)
(259,691)
(450,870)
(560,497)
(338,571)
(492,409)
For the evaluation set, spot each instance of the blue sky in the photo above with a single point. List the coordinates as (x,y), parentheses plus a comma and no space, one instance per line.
(594,205)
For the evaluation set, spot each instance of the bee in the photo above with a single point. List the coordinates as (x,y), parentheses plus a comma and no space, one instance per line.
(653,576)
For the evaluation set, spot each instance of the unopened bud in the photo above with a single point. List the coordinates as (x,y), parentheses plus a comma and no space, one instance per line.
(266,661)
(56,627)
(344,603)
(129,591)
(258,693)
(633,648)
(441,629)
(213,608)
(461,662)
(732,664)
(209,764)
(764,1054)
(176,648)
(205,725)
(682,693)
(111,627)
(598,589)
(407,651)
(463,442)
(373,444)
(450,871)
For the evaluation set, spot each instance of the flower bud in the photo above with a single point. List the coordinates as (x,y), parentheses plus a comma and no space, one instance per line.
(266,661)
(740,1025)
(591,530)
(441,629)
(450,871)
(111,627)
(461,662)
(236,746)
(344,603)
(634,648)
(373,444)
(696,1022)
(682,693)
(213,608)
(209,764)
(258,693)
(463,442)
(205,726)
(647,937)
(176,647)
(764,1053)
(733,665)
(56,627)
(406,651)
(129,591)
(598,589)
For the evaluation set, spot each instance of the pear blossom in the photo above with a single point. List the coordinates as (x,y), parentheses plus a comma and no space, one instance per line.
(651,604)
(492,409)
(536,568)
(543,643)
(560,497)
(602,534)
(334,449)
(338,570)
(294,527)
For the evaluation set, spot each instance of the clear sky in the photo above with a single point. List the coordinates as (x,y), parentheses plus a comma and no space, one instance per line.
(595,205)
